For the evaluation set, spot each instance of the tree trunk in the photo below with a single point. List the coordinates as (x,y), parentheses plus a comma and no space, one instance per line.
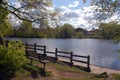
(1,41)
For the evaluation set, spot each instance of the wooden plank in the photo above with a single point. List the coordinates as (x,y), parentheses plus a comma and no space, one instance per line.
(39,49)
(40,46)
(63,56)
(64,52)
(33,58)
(50,52)
(80,56)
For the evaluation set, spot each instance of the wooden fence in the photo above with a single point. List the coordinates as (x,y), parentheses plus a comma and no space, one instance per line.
(38,52)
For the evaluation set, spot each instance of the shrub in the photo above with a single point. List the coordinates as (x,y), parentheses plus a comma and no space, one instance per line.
(12,58)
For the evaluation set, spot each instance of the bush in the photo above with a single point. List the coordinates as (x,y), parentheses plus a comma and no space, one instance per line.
(12,58)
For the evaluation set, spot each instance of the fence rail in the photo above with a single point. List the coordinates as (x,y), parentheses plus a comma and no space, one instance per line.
(50,52)
(57,53)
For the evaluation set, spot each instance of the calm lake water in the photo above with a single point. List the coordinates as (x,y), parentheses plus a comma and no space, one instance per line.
(103,53)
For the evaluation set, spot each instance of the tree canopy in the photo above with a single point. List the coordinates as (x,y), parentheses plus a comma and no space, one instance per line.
(110,30)
(38,10)
(106,5)
(4,23)
(35,11)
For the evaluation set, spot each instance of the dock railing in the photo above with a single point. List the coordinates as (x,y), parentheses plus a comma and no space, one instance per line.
(41,51)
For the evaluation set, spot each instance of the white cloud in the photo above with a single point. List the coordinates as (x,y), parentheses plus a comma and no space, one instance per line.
(115,17)
(78,17)
(14,21)
(85,18)
(65,8)
(75,4)
(16,4)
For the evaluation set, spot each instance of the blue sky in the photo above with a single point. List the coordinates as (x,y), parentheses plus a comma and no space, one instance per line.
(76,13)
(59,3)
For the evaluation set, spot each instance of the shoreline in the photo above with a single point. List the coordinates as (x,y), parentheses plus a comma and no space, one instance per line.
(99,70)
(95,69)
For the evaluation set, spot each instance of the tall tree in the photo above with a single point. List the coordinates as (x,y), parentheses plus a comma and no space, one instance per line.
(4,23)
(25,29)
(110,30)
(66,31)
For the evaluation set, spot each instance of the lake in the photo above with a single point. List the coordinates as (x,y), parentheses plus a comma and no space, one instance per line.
(102,52)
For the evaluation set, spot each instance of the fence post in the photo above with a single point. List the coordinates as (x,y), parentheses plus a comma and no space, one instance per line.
(88,63)
(71,59)
(45,51)
(31,60)
(56,52)
(56,58)
(35,47)
(26,49)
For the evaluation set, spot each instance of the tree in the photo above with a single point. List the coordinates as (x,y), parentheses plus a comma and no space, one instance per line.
(26,7)
(4,23)
(41,7)
(80,32)
(12,58)
(105,8)
(36,11)
(110,30)
(106,5)
(25,29)
(66,31)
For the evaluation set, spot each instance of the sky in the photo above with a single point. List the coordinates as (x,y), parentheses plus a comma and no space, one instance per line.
(77,13)
(72,12)
(75,4)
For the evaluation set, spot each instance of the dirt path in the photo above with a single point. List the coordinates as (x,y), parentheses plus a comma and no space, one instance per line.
(58,74)
(94,69)
(98,70)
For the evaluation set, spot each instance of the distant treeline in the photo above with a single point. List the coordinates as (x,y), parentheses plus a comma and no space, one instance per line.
(106,30)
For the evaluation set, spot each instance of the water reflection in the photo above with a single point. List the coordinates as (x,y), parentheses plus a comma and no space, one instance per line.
(102,52)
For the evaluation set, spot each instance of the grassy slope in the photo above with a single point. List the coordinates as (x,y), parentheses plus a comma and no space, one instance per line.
(57,72)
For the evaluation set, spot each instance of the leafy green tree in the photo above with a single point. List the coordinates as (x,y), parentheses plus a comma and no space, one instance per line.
(11,58)
(50,33)
(80,32)
(5,26)
(36,32)
(25,29)
(66,31)
(80,29)
(110,30)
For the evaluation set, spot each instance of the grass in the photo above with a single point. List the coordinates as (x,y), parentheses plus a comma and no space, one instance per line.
(116,76)
(31,72)
(87,76)
(64,79)
(20,74)
(66,68)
